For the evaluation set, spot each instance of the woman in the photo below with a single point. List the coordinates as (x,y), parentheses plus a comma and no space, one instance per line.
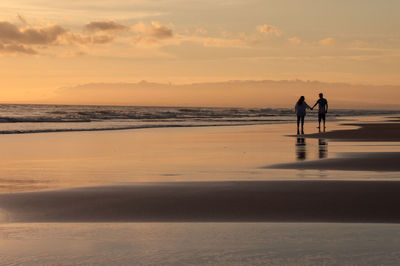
(300,109)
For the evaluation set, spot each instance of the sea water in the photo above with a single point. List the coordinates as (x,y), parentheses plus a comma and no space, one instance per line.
(25,118)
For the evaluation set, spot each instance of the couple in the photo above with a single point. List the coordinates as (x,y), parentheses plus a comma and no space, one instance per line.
(301,107)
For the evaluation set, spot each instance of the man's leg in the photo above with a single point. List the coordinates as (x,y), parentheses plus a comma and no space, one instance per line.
(319,120)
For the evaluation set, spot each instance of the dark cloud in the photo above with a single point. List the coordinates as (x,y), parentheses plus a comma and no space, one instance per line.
(47,35)
(22,39)
(104,26)
(16,48)
(10,33)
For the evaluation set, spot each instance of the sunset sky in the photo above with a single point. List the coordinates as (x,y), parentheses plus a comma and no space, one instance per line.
(47,45)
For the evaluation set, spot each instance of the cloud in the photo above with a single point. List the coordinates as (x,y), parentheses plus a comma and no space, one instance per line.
(102,39)
(81,39)
(97,32)
(268,30)
(151,34)
(160,32)
(294,40)
(105,26)
(328,42)
(155,30)
(23,39)
(22,19)
(16,48)
(10,33)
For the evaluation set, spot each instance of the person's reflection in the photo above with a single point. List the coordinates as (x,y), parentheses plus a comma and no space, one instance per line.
(322,148)
(301,153)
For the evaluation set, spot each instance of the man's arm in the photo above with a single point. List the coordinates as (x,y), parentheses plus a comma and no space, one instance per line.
(326,108)
(314,105)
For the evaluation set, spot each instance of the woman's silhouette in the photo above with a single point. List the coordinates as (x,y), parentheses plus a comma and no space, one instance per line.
(300,109)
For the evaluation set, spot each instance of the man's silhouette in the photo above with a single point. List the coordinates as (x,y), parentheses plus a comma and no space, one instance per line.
(322,109)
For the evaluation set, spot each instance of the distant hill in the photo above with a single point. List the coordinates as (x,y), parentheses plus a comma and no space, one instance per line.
(235,93)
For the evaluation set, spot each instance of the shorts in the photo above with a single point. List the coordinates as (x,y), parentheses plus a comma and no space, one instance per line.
(321,116)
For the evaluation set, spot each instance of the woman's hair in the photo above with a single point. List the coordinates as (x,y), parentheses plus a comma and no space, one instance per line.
(301,100)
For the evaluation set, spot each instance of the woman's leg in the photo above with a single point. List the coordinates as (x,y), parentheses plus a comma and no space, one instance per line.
(298,124)
(302,124)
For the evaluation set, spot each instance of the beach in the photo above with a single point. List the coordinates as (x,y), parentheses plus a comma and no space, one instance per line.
(222,184)
(193,132)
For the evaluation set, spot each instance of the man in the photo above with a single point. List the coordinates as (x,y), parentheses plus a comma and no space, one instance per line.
(322,109)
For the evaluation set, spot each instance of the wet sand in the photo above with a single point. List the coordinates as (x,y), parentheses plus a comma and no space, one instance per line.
(365,132)
(221,200)
(382,162)
(373,161)
(255,201)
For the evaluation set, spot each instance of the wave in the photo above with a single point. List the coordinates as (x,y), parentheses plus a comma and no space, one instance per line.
(39,120)
(55,130)
(22,119)
(65,114)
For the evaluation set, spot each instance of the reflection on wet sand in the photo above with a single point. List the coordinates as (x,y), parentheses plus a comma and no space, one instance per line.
(322,148)
(301,153)
(301,149)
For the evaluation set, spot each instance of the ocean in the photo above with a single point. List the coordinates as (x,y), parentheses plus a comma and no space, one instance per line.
(28,118)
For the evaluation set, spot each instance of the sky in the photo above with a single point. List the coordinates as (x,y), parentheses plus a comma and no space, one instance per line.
(47,45)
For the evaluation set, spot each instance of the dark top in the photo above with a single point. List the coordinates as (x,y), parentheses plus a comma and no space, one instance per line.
(322,103)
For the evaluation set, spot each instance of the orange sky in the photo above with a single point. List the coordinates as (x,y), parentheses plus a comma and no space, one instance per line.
(47,45)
